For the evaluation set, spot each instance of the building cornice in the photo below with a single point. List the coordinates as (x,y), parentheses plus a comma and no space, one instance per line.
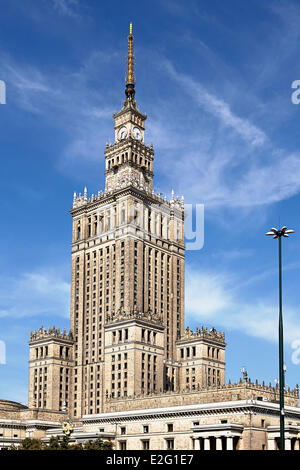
(229,407)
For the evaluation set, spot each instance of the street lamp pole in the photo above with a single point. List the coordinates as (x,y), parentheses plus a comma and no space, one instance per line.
(279,234)
(281,359)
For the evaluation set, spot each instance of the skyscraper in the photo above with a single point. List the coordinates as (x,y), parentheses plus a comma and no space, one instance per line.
(127,290)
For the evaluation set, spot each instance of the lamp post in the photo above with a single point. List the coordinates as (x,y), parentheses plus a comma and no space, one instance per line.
(279,234)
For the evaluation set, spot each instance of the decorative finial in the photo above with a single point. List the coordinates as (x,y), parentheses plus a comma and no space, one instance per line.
(130,77)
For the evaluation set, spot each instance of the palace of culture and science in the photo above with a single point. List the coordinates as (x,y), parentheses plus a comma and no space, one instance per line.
(128,371)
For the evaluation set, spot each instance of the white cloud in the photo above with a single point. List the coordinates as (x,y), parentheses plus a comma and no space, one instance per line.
(219,108)
(211,298)
(66,7)
(225,161)
(217,157)
(65,100)
(42,293)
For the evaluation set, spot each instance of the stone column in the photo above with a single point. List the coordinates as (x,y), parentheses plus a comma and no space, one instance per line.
(229,443)
(288,444)
(196,444)
(218,443)
(206,443)
(297,444)
(271,444)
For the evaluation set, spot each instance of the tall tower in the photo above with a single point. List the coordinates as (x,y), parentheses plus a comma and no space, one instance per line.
(127,271)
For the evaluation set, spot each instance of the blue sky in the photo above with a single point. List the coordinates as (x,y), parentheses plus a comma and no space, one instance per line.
(215,81)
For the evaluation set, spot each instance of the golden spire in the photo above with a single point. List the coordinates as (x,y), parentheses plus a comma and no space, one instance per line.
(130,77)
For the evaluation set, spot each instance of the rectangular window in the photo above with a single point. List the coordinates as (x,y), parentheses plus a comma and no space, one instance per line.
(146,445)
(170,444)
(170,427)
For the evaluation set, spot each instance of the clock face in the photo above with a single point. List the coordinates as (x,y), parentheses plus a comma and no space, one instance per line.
(137,133)
(122,133)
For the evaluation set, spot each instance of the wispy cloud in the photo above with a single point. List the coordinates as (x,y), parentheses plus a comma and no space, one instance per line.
(223,160)
(40,293)
(211,297)
(219,108)
(66,100)
(66,7)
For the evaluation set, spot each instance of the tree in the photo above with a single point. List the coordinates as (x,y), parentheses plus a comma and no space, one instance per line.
(54,443)
(98,444)
(31,444)
(62,443)
(65,442)
(75,447)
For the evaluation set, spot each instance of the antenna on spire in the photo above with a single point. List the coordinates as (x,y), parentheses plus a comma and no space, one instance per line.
(130,76)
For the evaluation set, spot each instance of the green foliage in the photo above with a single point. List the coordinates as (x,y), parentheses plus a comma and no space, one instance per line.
(31,444)
(98,444)
(75,447)
(62,443)
(54,443)
(59,443)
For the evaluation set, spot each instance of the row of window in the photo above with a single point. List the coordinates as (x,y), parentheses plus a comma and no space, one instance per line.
(123,158)
(155,222)
(146,428)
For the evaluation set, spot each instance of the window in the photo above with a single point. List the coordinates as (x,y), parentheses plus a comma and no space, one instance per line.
(122,445)
(170,427)
(145,429)
(123,215)
(170,444)
(123,430)
(146,445)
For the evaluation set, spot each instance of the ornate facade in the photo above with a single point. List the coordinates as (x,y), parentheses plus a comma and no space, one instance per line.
(127,332)
(128,370)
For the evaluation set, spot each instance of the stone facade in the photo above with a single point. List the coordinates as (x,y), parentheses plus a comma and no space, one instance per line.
(127,279)
(128,370)
(227,425)
(50,369)
(18,422)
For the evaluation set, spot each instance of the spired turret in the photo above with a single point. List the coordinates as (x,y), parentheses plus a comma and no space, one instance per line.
(129,158)
(130,76)
(127,270)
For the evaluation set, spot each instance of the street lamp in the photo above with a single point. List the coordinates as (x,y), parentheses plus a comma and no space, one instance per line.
(279,234)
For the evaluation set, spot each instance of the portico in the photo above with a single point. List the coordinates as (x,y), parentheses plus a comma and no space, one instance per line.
(292,437)
(222,436)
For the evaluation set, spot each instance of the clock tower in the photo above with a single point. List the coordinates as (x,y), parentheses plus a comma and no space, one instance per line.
(129,159)
(127,336)
(127,295)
